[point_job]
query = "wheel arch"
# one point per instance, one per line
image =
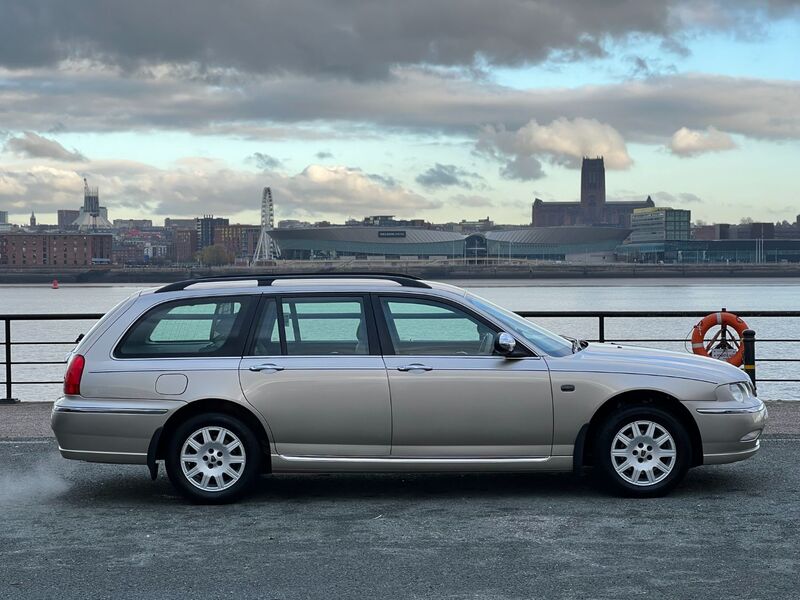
(584, 443)
(207, 405)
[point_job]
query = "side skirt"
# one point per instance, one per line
(325, 464)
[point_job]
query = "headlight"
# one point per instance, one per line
(739, 391)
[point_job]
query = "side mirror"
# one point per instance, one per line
(505, 343)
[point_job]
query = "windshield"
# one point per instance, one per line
(548, 342)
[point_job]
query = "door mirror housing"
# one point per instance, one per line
(505, 343)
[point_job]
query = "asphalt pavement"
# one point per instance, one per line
(79, 530)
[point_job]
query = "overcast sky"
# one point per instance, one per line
(440, 109)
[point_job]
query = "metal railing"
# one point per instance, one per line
(8, 343)
(602, 317)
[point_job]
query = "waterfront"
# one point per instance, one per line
(542, 294)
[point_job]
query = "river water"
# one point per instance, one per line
(555, 295)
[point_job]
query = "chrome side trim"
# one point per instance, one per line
(414, 461)
(731, 411)
(102, 452)
(110, 410)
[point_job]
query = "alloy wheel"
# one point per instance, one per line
(213, 459)
(643, 453)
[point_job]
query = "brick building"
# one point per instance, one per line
(66, 249)
(592, 208)
(239, 240)
(184, 246)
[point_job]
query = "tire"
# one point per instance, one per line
(228, 458)
(646, 465)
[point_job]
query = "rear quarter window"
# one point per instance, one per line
(189, 328)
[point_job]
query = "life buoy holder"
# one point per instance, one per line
(722, 345)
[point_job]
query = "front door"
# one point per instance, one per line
(452, 395)
(315, 373)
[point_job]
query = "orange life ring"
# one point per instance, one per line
(723, 320)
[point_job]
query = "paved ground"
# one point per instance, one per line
(75, 530)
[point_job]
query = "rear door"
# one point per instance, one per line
(452, 395)
(314, 371)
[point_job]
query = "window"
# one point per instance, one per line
(267, 340)
(323, 325)
(422, 327)
(188, 328)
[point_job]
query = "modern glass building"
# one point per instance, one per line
(712, 251)
(545, 243)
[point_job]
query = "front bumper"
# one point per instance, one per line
(730, 431)
(108, 431)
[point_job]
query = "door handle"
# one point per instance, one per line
(415, 367)
(266, 367)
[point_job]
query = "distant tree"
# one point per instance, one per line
(746, 221)
(700, 223)
(215, 256)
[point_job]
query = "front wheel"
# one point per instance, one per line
(213, 458)
(642, 451)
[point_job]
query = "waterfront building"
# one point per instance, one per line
(713, 251)
(67, 218)
(133, 223)
(184, 246)
(414, 243)
(56, 249)
(92, 216)
(128, 252)
(239, 240)
(170, 223)
(205, 230)
(592, 209)
(658, 224)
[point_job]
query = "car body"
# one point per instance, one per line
(323, 373)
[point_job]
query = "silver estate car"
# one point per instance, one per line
(224, 379)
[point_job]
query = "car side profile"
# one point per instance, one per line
(225, 379)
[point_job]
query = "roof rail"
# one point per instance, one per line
(269, 278)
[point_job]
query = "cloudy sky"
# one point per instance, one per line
(442, 109)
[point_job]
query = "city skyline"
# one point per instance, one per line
(438, 110)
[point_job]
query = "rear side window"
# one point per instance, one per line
(189, 328)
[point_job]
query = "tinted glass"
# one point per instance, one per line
(198, 327)
(315, 326)
(422, 327)
(267, 341)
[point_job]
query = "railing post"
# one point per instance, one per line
(749, 342)
(601, 328)
(7, 342)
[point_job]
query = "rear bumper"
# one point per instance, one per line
(108, 431)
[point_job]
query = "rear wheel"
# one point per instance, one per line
(213, 458)
(642, 451)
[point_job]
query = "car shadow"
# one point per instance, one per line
(128, 489)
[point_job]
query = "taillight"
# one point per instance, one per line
(72, 378)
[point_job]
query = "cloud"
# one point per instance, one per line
(417, 100)
(471, 201)
(689, 142)
(440, 176)
(666, 198)
(524, 168)
(265, 161)
(323, 155)
(341, 39)
(563, 142)
(194, 186)
(32, 145)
